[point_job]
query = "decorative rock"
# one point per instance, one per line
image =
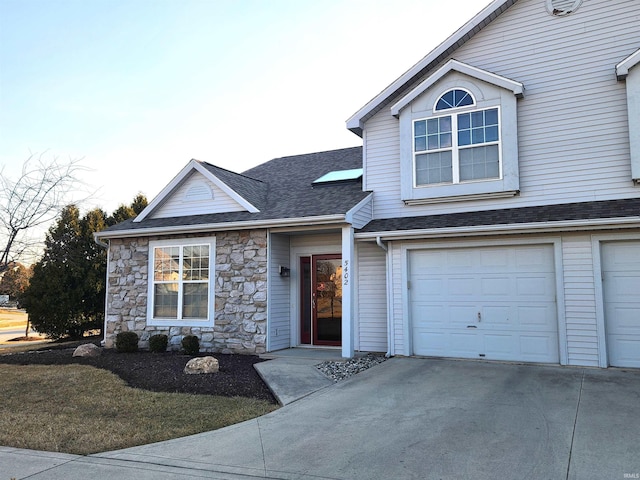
(87, 350)
(344, 369)
(201, 365)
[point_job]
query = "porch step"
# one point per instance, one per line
(319, 354)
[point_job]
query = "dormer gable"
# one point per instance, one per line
(470, 71)
(458, 136)
(201, 188)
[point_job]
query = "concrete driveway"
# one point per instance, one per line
(416, 419)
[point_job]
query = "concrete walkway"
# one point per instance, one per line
(405, 418)
(291, 374)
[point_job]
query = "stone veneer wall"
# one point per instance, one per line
(240, 323)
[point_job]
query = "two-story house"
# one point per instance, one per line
(492, 212)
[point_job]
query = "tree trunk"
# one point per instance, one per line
(26, 332)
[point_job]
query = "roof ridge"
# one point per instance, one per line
(317, 153)
(227, 170)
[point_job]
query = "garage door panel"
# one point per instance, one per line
(463, 315)
(497, 316)
(496, 286)
(439, 344)
(461, 286)
(464, 344)
(534, 259)
(625, 351)
(621, 291)
(624, 286)
(534, 286)
(494, 260)
(621, 257)
(541, 317)
(498, 346)
(513, 289)
(625, 321)
(539, 348)
(430, 316)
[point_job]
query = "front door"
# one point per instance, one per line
(321, 300)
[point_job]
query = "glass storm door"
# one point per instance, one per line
(321, 300)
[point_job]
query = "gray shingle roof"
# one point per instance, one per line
(252, 190)
(280, 188)
(511, 216)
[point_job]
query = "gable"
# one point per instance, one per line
(196, 195)
(193, 192)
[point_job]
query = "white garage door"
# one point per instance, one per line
(621, 287)
(496, 303)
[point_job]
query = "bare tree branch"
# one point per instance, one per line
(34, 199)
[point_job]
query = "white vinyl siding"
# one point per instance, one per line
(363, 214)
(372, 298)
(581, 151)
(579, 297)
(179, 205)
(279, 294)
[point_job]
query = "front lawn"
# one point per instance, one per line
(52, 401)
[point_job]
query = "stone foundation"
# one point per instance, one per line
(240, 323)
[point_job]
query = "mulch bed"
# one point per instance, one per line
(160, 372)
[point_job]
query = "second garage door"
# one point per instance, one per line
(496, 303)
(621, 285)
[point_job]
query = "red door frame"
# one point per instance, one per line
(314, 302)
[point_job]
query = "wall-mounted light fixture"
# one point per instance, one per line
(285, 271)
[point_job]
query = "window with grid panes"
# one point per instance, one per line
(180, 280)
(459, 146)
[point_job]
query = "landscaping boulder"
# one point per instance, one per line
(87, 350)
(201, 365)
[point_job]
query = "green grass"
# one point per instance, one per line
(81, 409)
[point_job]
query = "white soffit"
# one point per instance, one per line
(454, 65)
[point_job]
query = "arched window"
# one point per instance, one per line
(459, 146)
(453, 99)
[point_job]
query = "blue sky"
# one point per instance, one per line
(136, 88)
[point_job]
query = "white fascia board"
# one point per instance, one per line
(506, 229)
(223, 226)
(225, 188)
(622, 69)
(354, 123)
(454, 65)
(166, 191)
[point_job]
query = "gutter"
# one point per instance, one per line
(96, 239)
(384, 247)
(533, 227)
(207, 227)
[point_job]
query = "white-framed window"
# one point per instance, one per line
(459, 137)
(458, 147)
(181, 282)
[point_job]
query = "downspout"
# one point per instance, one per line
(104, 245)
(389, 352)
